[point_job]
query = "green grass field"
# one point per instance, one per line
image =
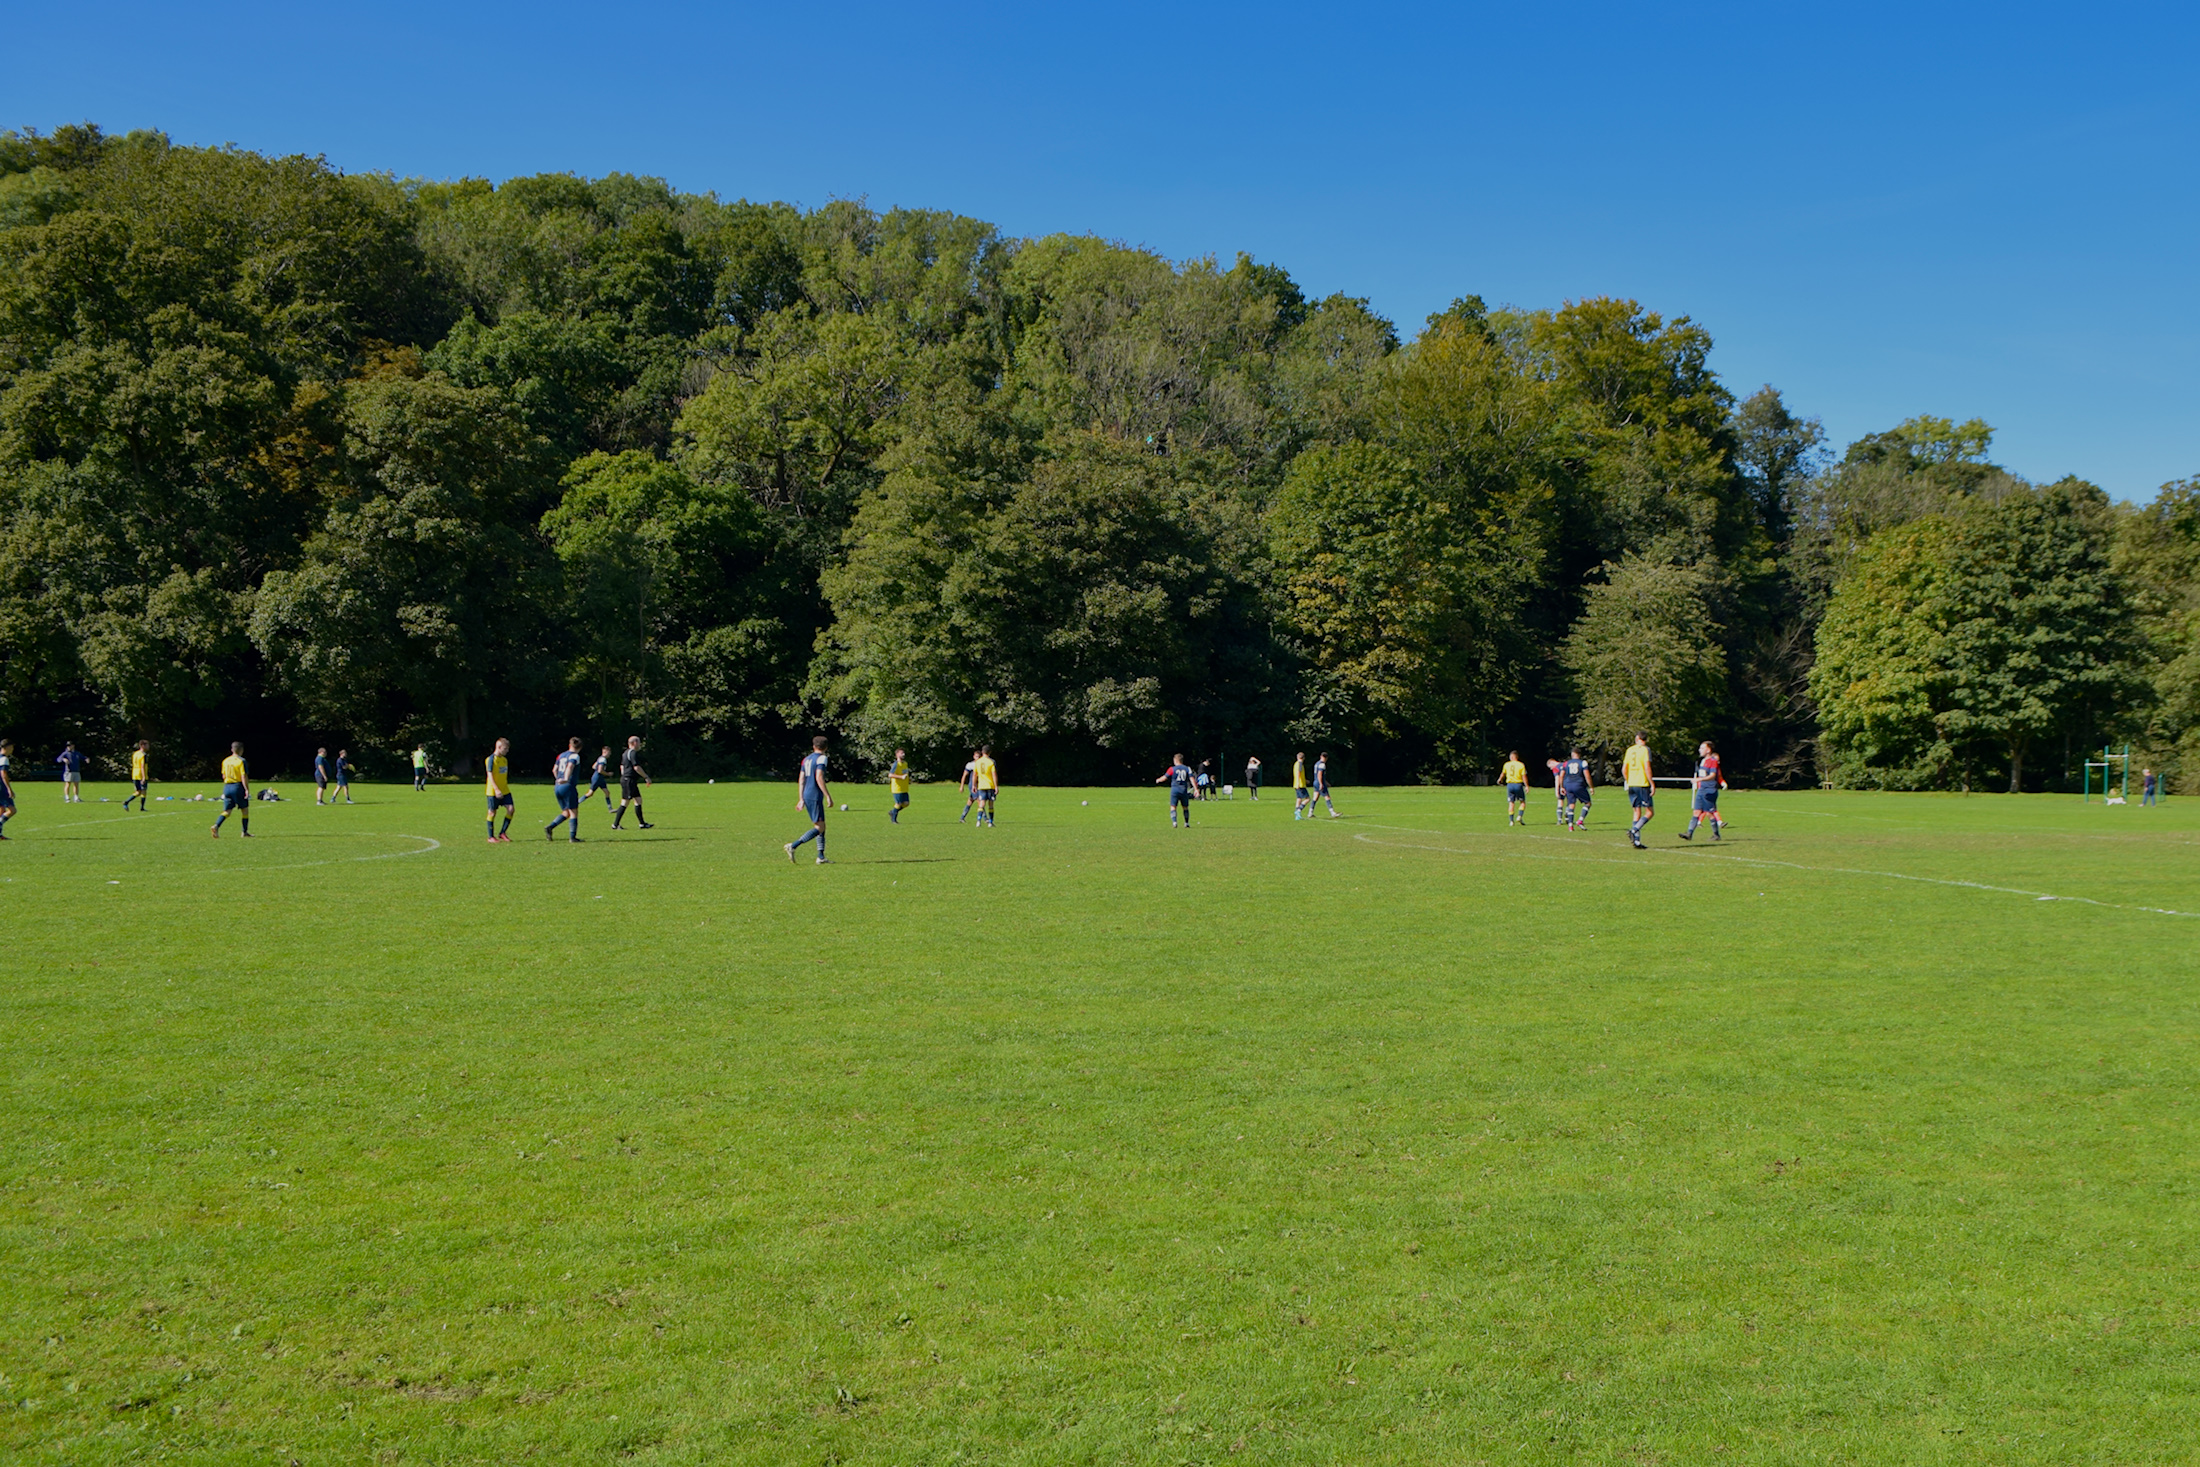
(1397, 1138)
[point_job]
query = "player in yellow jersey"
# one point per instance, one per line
(1514, 777)
(500, 791)
(897, 783)
(1302, 799)
(236, 793)
(1641, 789)
(985, 782)
(141, 775)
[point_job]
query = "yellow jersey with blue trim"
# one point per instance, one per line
(985, 776)
(233, 769)
(897, 778)
(1635, 768)
(137, 765)
(1514, 772)
(500, 774)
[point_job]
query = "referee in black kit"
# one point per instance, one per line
(631, 779)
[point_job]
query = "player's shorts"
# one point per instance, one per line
(71, 776)
(234, 798)
(138, 785)
(1706, 799)
(569, 796)
(988, 793)
(321, 780)
(1638, 796)
(814, 806)
(1184, 798)
(343, 781)
(595, 783)
(901, 799)
(630, 789)
(1577, 794)
(496, 800)
(1516, 792)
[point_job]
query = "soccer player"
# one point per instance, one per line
(985, 782)
(7, 786)
(1558, 788)
(631, 779)
(814, 797)
(599, 777)
(71, 760)
(1302, 803)
(565, 773)
(1576, 789)
(1252, 779)
(968, 785)
(1321, 788)
(140, 775)
(897, 783)
(1182, 783)
(236, 794)
(1514, 777)
(1705, 801)
(1641, 789)
(420, 768)
(500, 791)
(343, 777)
(320, 776)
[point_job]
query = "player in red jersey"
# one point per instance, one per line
(1704, 803)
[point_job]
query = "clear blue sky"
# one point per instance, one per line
(1882, 209)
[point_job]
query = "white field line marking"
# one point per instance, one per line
(432, 844)
(106, 820)
(1702, 856)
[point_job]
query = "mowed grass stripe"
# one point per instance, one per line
(1085, 1140)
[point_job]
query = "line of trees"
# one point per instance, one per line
(315, 457)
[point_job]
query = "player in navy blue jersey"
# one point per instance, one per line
(598, 779)
(343, 777)
(815, 797)
(1575, 789)
(1321, 788)
(71, 760)
(1182, 783)
(565, 775)
(320, 776)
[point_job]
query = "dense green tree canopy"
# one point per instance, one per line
(305, 456)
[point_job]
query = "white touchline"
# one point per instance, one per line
(1705, 856)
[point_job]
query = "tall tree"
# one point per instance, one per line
(416, 610)
(1402, 600)
(1881, 679)
(2039, 634)
(683, 611)
(2157, 559)
(1645, 658)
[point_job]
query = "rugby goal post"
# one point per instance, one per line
(2111, 765)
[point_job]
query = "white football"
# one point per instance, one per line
(843, 807)
(1084, 802)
